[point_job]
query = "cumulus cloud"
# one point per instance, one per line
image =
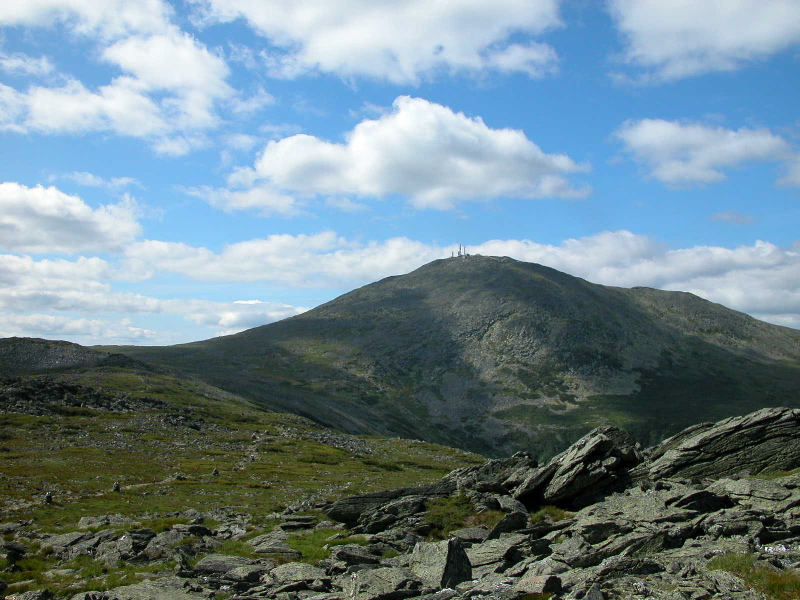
(692, 153)
(44, 219)
(682, 38)
(110, 18)
(168, 102)
(168, 89)
(398, 41)
(419, 150)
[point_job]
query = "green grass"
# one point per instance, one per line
(551, 513)
(316, 545)
(454, 512)
(78, 457)
(777, 585)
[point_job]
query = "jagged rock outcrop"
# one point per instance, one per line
(590, 469)
(765, 441)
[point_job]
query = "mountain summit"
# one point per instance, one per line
(494, 355)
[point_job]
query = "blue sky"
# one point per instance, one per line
(176, 170)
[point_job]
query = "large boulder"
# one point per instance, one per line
(762, 442)
(589, 470)
(441, 564)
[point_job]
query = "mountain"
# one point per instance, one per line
(494, 355)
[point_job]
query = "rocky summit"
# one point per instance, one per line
(494, 355)
(713, 512)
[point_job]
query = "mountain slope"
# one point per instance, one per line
(171, 442)
(494, 355)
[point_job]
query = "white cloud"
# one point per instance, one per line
(682, 38)
(40, 297)
(43, 219)
(81, 330)
(168, 90)
(266, 200)
(536, 60)
(240, 314)
(22, 64)
(110, 18)
(90, 180)
(254, 103)
(421, 151)
(194, 76)
(689, 153)
(792, 173)
(398, 41)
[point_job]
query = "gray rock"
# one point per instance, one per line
(549, 584)
(167, 588)
(220, 563)
(504, 550)
(471, 535)
(385, 583)
(353, 554)
(509, 523)
(589, 470)
(36, 595)
(297, 571)
(350, 510)
(441, 564)
(161, 546)
(761, 442)
(247, 573)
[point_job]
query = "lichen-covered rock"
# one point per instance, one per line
(441, 564)
(761, 442)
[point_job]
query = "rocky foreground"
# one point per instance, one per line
(629, 523)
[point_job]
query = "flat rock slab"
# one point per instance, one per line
(220, 563)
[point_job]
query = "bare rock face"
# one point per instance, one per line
(590, 469)
(762, 442)
(441, 564)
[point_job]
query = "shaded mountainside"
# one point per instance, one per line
(494, 355)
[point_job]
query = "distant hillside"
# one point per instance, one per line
(493, 355)
(32, 355)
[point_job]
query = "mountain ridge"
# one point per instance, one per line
(495, 355)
